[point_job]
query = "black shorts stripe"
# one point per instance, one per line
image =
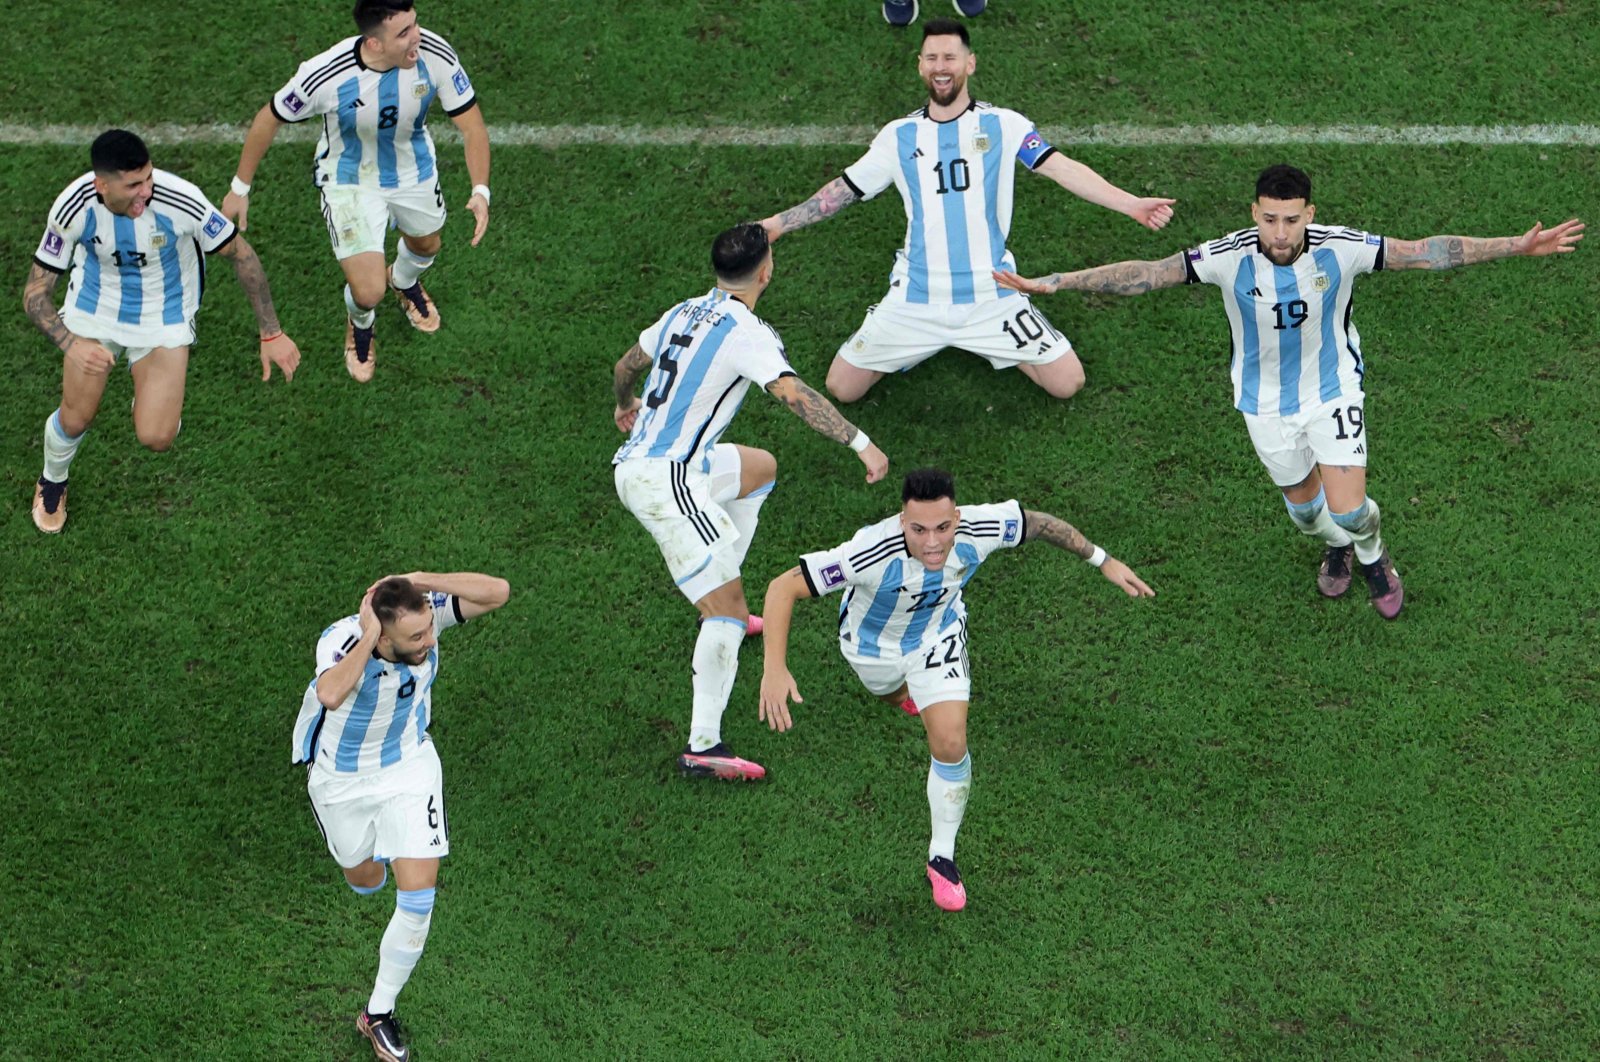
(685, 501)
(320, 828)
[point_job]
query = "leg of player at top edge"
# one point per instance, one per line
(903, 629)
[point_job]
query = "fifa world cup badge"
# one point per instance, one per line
(980, 142)
(1321, 282)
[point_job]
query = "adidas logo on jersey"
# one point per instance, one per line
(1255, 293)
(357, 102)
(917, 154)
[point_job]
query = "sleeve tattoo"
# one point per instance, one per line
(812, 408)
(1447, 252)
(1057, 532)
(253, 279)
(38, 298)
(634, 364)
(1125, 278)
(829, 200)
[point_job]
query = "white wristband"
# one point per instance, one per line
(1097, 558)
(239, 187)
(860, 442)
(481, 189)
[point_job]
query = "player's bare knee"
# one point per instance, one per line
(367, 293)
(1063, 379)
(424, 246)
(843, 384)
(157, 439)
(367, 878)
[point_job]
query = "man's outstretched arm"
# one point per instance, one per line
(1052, 529)
(1448, 252)
(1118, 278)
(1085, 183)
(824, 419)
(829, 200)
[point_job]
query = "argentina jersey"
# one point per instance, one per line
(145, 273)
(1294, 343)
(374, 123)
(705, 354)
(957, 179)
(385, 717)
(893, 606)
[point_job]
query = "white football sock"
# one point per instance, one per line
(401, 947)
(716, 662)
(59, 449)
(362, 317)
(948, 787)
(1363, 526)
(408, 266)
(1313, 518)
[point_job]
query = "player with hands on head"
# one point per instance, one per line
(701, 498)
(953, 161)
(903, 627)
(376, 163)
(375, 781)
(132, 237)
(1298, 370)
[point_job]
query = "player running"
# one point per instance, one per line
(903, 627)
(1297, 364)
(132, 237)
(701, 498)
(953, 162)
(375, 781)
(376, 161)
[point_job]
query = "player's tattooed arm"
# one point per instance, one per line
(1448, 252)
(632, 365)
(38, 298)
(829, 200)
(253, 279)
(1119, 278)
(1057, 532)
(812, 408)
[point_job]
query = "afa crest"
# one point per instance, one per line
(1321, 282)
(980, 142)
(420, 89)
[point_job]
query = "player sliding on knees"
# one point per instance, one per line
(904, 627)
(701, 498)
(376, 163)
(132, 236)
(376, 785)
(1297, 363)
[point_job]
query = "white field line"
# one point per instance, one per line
(1114, 135)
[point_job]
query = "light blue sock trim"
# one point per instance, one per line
(703, 566)
(760, 492)
(1352, 519)
(366, 891)
(415, 901)
(741, 624)
(954, 772)
(1307, 511)
(55, 426)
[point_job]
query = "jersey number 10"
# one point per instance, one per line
(960, 176)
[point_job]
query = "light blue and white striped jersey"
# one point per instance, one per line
(894, 606)
(956, 178)
(144, 273)
(385, 717)
(374, 123)
(1294, 344)
(707, 353)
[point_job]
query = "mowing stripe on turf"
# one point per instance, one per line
(1110, 135)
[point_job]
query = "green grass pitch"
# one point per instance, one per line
(1233, 822)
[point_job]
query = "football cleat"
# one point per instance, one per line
(49, 506)
(719, 762)
(384, 1032)
(971, 8)
(948, 892)
(360, 352)
(899, 12)
(1383, 584)
(1333, 575)
(418, 305)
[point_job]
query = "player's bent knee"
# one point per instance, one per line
(362, 889)
(367, 296)
(157, 440)
(1063, 378)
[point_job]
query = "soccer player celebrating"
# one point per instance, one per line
(132, 236)
(952, 161)
(700, 498)
(1297, 364)
(903, 627)
(376, 162)
(375, 781)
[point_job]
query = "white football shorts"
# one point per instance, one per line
(395, 812)
(1005, 332)
(937, 672)
(358, 216)
(125, 341)
(681, 507)
(1334, 433)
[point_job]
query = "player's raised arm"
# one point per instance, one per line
(1059, 533)
(1119, 278)
(829, 200)
(1447, 252)
(336, 683)
(276, 347)
(1085, 183)
(818, 412)
(475, 142)
(236, 204)
(630, 368)
(477, 593)
(777, 685)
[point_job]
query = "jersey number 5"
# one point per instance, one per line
(669, 369)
